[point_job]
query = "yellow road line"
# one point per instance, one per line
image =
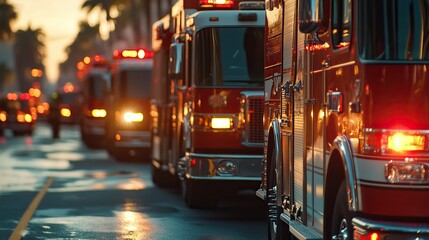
(22, 224)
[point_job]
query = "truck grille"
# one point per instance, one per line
(253, 134)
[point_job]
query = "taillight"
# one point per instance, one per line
(366, 236)
(394, 141)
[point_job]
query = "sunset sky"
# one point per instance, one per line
(59, 21)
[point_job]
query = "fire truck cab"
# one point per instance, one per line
(346, 152)
(128, 123)
(95, 87)
(215, 72)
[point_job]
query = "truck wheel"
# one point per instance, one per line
(163, 179)
(196, 197)
(277, 229)
(341, 227)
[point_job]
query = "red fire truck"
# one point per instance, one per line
(346, 152)
(95, 86)
(212, 132)
(128, 118)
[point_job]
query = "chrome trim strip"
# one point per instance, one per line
(385, 226)
(219, 178)
(229, 156)
(143, 134)
(335, 66)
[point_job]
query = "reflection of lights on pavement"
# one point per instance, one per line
(133, 225)
(132, 184)
(29, 140)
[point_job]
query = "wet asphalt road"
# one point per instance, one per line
(63, 190)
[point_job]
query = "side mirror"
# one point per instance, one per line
(175, 62)
(311, 15)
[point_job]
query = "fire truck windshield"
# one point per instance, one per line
(394, 30)
(229, 57)
(135, 84)
(97, 87)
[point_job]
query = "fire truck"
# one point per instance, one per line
(346, 152)
(128, 112)
(95, 86)
(212, 124)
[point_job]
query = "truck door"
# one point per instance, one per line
(330, 71)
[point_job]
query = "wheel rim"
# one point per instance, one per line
(342, 235)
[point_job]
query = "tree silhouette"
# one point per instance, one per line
(7, 15)
(29, 53)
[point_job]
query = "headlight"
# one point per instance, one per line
(24, 117)
(407, 172)
(133, 117)
(3, 116)
(65, 112)
(221, 123)
(98, 113)
(212, 122)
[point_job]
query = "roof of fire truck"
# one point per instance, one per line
(250, 14)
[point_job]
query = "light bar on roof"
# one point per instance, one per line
(131, 53)
(216, 3)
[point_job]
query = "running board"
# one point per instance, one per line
(300, 231)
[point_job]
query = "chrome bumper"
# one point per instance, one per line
(221, 167)
(391, 230)
(94, 127)
(133, 139)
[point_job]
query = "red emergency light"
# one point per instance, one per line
(25, 96)
(132, 54)
(217, 4)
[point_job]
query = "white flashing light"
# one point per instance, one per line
(133, 117)
(221, 123)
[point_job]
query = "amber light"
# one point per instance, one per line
(3, 116)
(98, 113)
(24, 117)
(366, 236)
(403, 142)
(65, 112)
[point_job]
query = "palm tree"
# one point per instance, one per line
(7, 15)
(86, 43)
(105, 6)
(29, 53)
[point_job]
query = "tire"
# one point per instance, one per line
(277, 229)
(341, 218)
(163, 179)
(197, 197)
